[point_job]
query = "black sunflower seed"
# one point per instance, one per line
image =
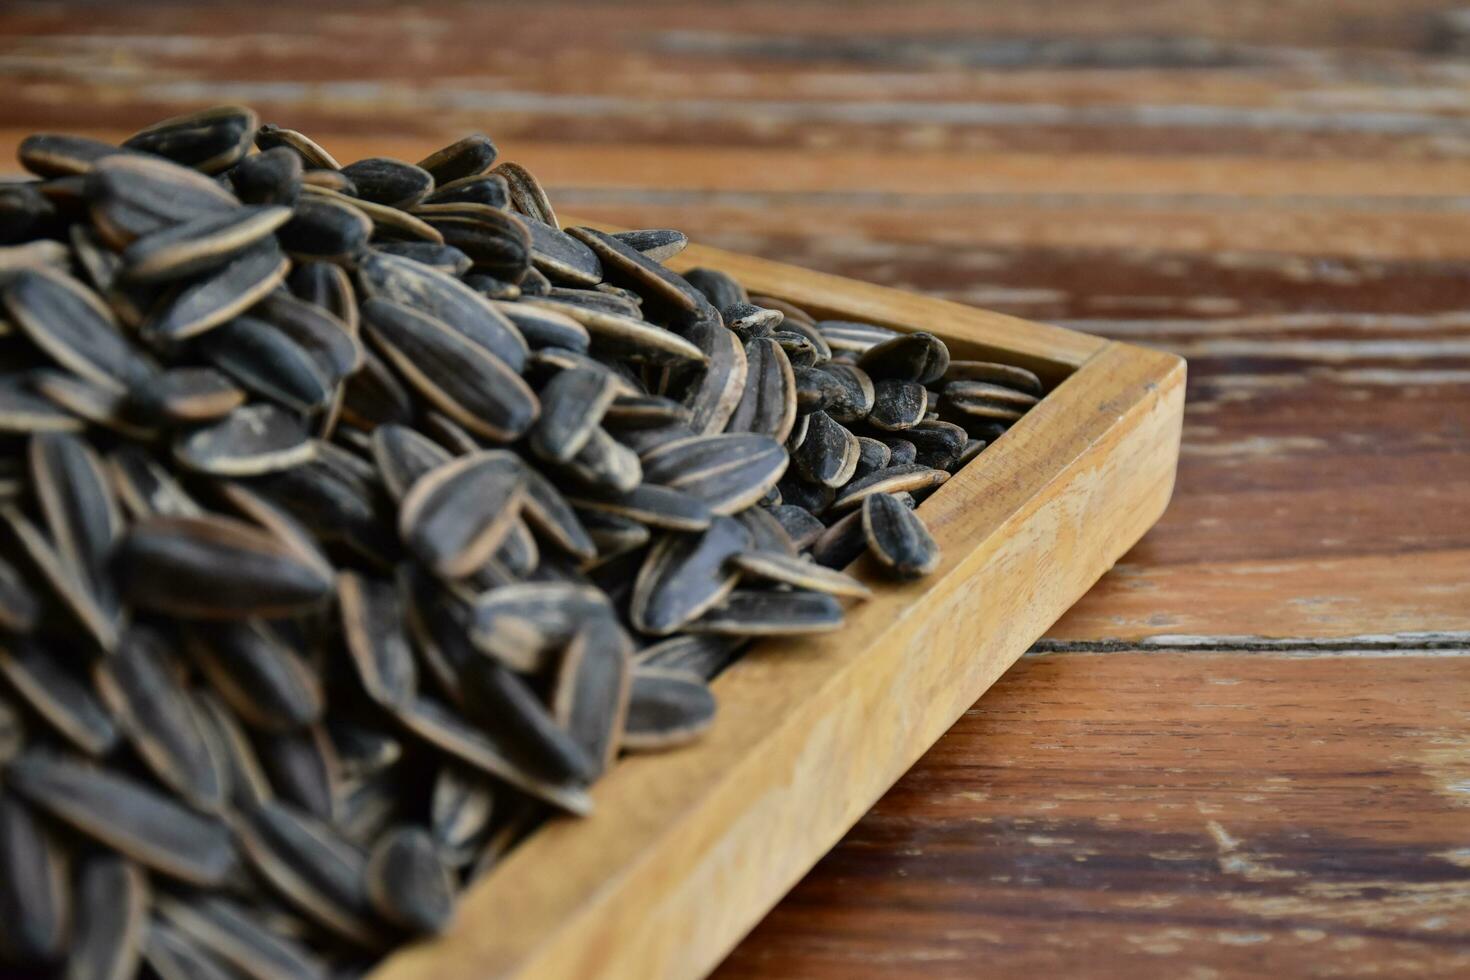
(35, 896)
(463, 158)
(60, 155)
(752, 613)
(920, 357)
(236, 935)
(898, 404)
(272, 177)
(728, 471)
(562, 257)
(249, 441)
(658, 244)
(445, 298)
(593, 685)
(312, 867)
(390, 182)
(463, 379)
(215, 568)
(829, 453)
(67, 321)
(897, 537)
(153, 708)
(456, 515)
(126, 815)
(685, 574)
(210, 141)
(720, 386)
(204, 243)
(132, 195)
(222, 294)
(572, 406)
(59, 697)
(408, 884)
(373, 628)
(325, 229)
(109, 919)
(270, 135)
(526, 195)
(1009, 375)
(776, 566)
(666, 709)
(258, 674)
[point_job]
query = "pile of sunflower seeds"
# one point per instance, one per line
(353, 519)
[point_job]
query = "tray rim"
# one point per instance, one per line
(515, 922)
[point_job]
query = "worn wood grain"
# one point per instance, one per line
(1276, 188)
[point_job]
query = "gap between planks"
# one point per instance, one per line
(1449, 643)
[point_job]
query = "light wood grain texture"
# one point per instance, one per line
(687, 850)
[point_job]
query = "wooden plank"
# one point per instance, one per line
(1291, 813)
(810, 733)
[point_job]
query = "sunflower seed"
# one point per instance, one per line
(303, 771)
(898, 404)
(67, 321)
(591, 696)
(467, 157)
(204, 243)
(484, 188)
(684, 575)
(59, 697)
(1009, 375)
(891, 479)
(845, 335)
(258, 674)
(209, 141)
(920, 357)
(78, 503)
(407, 883)
(778, 567)
(658, 244)
(666, 709)
(751, 613)
(111, 917)
(897, 537)
(712, 399)
(572, 406)
(222, 294)
(60, 155)
(249, 785)
(412, 284)
(466, 381)
(312, 867)
(443, 729)
(728, 471)
(272, 177)
(126, 815)
(628, 267)
(372, 625)
(215, 568)
(155, 712)
(455, 516)
(312, 155)
(249, 441)
(236, 936)
(174, 956)
(526, 195)
(720, 288)
(325, 229)
(98, 616)
(35, 900)
(829, 453)
(132, 195)
(389, 182)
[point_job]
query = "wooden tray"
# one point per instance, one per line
(687, 850)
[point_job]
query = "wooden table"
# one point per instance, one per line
(1247, 751)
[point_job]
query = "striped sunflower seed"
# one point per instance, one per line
(126, 815)
(897, 537)
(408, 884)
(666, 709)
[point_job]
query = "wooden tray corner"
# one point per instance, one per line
(687, 850)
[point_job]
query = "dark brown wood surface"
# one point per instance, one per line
(1247, 751)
